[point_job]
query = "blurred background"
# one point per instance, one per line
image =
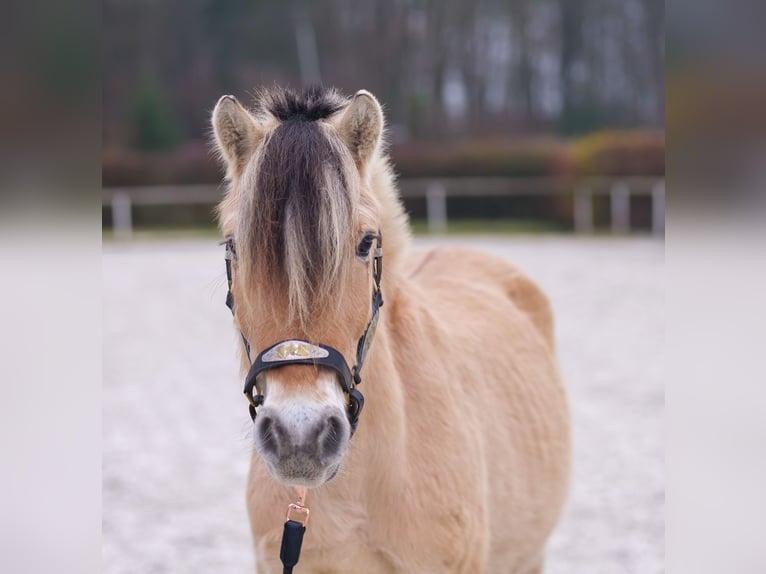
(530, 129)
(173, 476)
(545, 114)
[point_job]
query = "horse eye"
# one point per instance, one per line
(363, 249)
(231, 249)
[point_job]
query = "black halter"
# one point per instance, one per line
(301, 352)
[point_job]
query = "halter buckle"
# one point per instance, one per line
(295, 507)
(299, 506)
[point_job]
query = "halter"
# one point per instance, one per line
(302, 352)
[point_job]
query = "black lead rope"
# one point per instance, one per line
(301, 352)
(292, 539)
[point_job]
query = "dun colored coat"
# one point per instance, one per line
(461, 459)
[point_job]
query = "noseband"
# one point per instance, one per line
(301, 352)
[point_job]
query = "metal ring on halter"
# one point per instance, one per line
(295, 507)
(255, 401)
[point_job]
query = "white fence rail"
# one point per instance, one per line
(436, 191)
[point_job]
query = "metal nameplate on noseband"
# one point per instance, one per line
(292, 350)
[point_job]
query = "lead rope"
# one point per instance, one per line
(292, 534)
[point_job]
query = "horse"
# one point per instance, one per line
(460, 460)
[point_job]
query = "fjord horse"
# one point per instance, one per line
(461, 459)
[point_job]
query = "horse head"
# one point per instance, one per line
(304, 234)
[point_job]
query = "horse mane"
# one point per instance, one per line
(311, 104)
(297, 228)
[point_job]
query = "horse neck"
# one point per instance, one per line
(379, 448)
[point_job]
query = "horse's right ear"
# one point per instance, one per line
(237, 132)
(361, 127)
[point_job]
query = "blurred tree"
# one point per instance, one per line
(524, 67)
(655, 41)
(442, 68)
(153, 118)
(571, 66)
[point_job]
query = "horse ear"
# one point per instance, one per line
(361, 126)
(237, 132)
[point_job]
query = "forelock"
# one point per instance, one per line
(296, 230)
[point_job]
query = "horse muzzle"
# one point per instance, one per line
(302, 443)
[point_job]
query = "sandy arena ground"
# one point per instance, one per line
(176, 430)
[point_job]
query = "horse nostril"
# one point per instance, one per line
(331, 438)
(267, 436)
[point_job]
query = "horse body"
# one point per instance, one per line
(460, 462)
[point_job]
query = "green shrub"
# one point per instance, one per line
(154, 123)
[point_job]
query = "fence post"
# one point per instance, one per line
(436, 207)
(658, 208)
(122, 217)
(620, 207)
(583, 210)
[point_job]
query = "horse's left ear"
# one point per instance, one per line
(361, 127)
